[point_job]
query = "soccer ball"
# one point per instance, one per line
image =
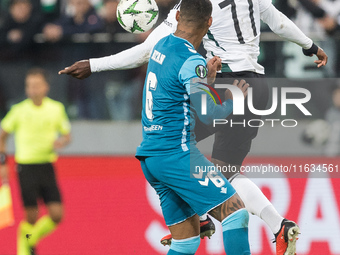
(137, 16)
(316, 133)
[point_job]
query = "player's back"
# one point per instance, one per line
(234, 34)
(166, 105)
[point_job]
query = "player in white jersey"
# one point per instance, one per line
(234, 37)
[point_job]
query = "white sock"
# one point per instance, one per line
(272, 218)
(203, 217)
(256, 202)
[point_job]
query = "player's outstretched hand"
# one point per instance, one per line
(79, 70)
(213, 65)
(322, 58)
(242, 85)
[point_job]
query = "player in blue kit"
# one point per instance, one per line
(169, 100)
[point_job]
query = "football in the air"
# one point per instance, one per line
(137, 16)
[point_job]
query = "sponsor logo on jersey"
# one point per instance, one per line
(169, 24)
(153, 128)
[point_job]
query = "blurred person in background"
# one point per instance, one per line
(41, 127)
(80, 19)
(20, 21)
(123, 88)
(17, 47)
(332, 147)
(49, 9)
(318, 20)
(18, 29)
(109, 15)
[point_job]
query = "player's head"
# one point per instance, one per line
(81, 7)
(36, 84)
(110, 10)
(196, 14)
(20, 10)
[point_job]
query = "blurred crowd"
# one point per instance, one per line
(320, 20)
(56, 33)
(49, 32)
(56, 20)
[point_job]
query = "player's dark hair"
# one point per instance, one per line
(196, 11)
(38, 71)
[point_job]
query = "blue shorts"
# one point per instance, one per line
(186, 184)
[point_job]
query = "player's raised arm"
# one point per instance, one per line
(284, 27)
(213, 65)
(127, 59)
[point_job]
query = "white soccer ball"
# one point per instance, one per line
(316, 133)
(137, 16)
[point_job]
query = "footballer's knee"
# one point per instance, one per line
(56, 212)
(32, 214)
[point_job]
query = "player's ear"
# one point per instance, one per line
(177, 16)
(210, 21)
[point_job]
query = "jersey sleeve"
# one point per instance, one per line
(193, 69)
(264, 5)
(137, 55)
(64, 126)
(9, 122)
(193, 76)
(284, 27)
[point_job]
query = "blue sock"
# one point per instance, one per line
(186, 246)
(235, 233)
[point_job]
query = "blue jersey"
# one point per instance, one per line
(166, 104)
(167, 115)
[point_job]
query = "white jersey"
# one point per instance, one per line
(234, 36)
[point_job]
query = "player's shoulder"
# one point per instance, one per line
(19, 109)
(174, 50)
(22, 104)
(53, 103)
(183, 48)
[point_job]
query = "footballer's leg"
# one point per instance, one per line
(286, 232)
(231, 146)
(182, 221)
(185, 239)
(234, 218)
(49, 191)
(29, 193)
(25, 230)
(206, 190)
(207, 229)
(46, 224)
